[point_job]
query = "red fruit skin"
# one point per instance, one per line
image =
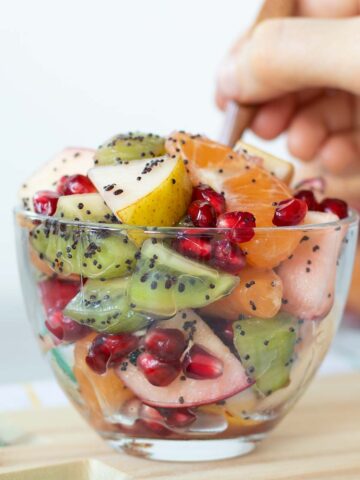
(208, 194)
(194, 247)
(77, 184)
(227, 256)
(61, 184)
(45, 202)
(309, 198)
(157, 372)
(200, 364)
(290, 212)
(167, 344)
(109, 350)
(336, 206)
(202, 214)
(56, 294)
(241, 223)
(64, 328)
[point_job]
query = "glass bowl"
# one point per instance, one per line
(170, 357)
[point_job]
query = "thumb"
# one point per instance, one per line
(291, 54)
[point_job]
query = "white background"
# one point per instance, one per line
(75, 72)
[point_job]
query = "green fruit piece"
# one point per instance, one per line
(165, 282)
(266, 348)
(130, 146)
(87, 207)
(92, 253)
(104, 306)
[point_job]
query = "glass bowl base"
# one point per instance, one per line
(186, 450)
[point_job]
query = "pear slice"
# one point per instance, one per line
(149, 192)
(281, 168)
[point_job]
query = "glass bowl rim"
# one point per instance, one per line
(351, 220)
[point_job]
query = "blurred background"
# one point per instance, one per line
(73, 73)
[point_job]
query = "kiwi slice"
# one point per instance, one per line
(165, 282)
(104, 306)
(266, 349)
(92, 253)
(87, 207)
(130, 146)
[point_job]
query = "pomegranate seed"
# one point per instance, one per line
(309, 198)
(228, 256)
(56, 294)
(108, 350)
(45, 202)
(336, 206)
(241, 223)
(208, 194)
(178, 417)
(224, 329)
(202, 214)
(64, 328)
(153, 420)
(76, 184)
(167, 344)
(158, 373)
(201, 364)
(194, 247)
(61, 184)
(290, 212)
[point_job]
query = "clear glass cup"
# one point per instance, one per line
(229, 374)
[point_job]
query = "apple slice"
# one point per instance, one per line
(309, 275)
(190, 392)
(153, 192)
(70, 161)
(282, 169)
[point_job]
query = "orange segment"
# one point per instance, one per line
(103, 394)
(247, 187)
(259, 293)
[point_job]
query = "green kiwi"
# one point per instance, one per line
(130, 146)
(165, 282)
(86, 207)
(104, 306)
(266, 349)
(92, 253)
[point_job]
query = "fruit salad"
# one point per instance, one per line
(184, 290)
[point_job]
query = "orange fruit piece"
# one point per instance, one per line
(246, 186)
(259, 294)
(103, 394)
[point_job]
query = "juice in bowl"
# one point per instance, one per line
(183, 292)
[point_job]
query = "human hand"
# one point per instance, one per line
(305, 74)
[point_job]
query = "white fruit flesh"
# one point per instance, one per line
(190, 392)
(309, 275)
(282, 169)
(125, 178)
(70, 161)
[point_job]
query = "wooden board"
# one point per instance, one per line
(320, 439)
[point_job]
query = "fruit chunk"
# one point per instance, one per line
(336, 206)
(87, 207)
(167, 344)
(104, 306)
(129, 146)
(266, 348)
(103, 394)
(190, 392)
(282, 169)
(157, 372)
(68, 162)
(228, 256)
(64, 328)
(308, 276)
(202, 214)
(165, 282)
(259, 293)
(242, 225)
(56, 294)
(246, 186)
(68, 249)
(290, 212)
(75, 185)
(207, 194)
(45, 202)
(200, 364)
(153, 192)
